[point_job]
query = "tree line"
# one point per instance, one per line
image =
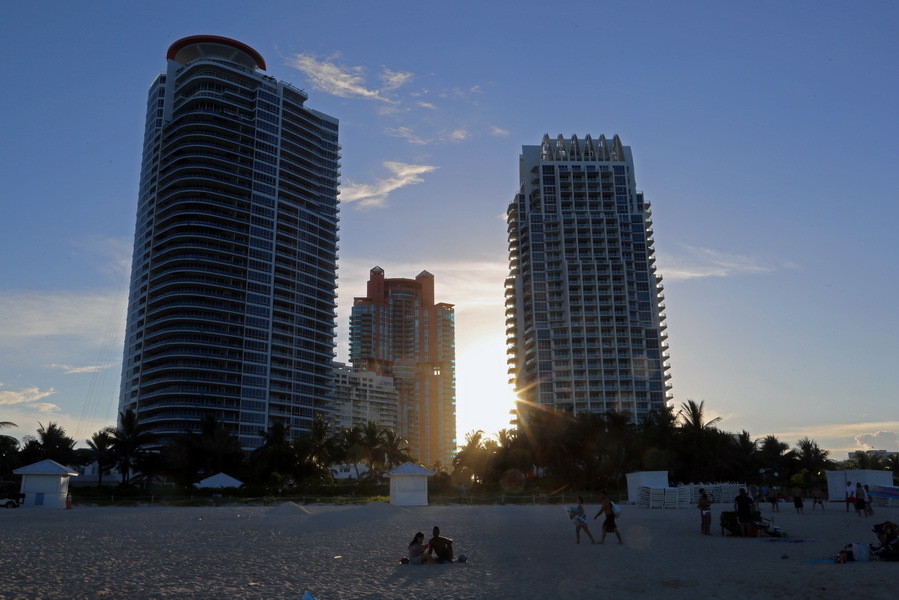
(589, 451)
(129, 449)
(550, 450)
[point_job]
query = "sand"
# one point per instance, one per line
(352, 552)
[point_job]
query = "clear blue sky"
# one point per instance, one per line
(764, 135)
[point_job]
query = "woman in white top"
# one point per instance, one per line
(418, 550)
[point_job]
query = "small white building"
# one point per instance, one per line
(409, 485)
(45, 483)
(219, 480)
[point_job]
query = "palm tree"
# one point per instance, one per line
(371, 440)
(658, 433)
(396, 449)
(314, 451)
(217, 449)
(470, 461)
(275, 455)
(745, 457)
(101, 445)
(4, 425)
(776, 455)
(811, 457)
(55, 444)
(698, 438)
(129, 439)
(347, 445)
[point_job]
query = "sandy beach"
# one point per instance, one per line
(352, 552)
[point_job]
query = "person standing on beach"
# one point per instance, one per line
(773, 491)
(705, 512)
(850, 495)
(869, 510)
(744, 506)
(580, 521)
(754, 492)
(860, 500)
(608, 526)
(797, 498)
(817, 498)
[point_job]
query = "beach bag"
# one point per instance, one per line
(616, 510)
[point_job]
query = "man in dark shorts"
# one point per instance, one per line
(441, 547)
(608, 526)
(744, 506)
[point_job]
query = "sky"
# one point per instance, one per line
(764, 135)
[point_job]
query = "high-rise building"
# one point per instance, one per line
(362, 396)
(232, 303)
(398, 331)
(585, 325)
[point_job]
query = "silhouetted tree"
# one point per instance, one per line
(102, 452)
(130, 438)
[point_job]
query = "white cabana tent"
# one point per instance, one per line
(219, 480)
(409, 485)
(836, 481)
(45, 483)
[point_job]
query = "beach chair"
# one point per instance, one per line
(730, 525)
(764, 526)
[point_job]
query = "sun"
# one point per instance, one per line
(484, 397)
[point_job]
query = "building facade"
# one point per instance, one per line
(398, 331)
(363, 396)
(585, 322)
(231, 310)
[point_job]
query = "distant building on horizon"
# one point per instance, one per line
(397, 330)
(231, 308)
(585, 325)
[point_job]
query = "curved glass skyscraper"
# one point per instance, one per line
(585, 322)
(232, 303)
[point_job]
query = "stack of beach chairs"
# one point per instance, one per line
(686, 496)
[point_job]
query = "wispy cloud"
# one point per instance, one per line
(395, 79)
(408, 134)
(112, 256)
(93, 317)
(30, 396)
(347, 82)
(69, 370)
(457, 135)
(427, 105)
(696, 263)
(498, 131)
(372, 195)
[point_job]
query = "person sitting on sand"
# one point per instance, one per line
(608, 526)
(440, 549)
(418, 550)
